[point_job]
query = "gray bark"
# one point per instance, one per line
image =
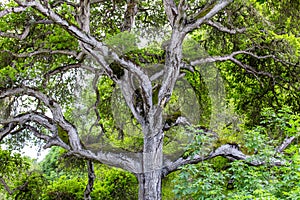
(149, 185)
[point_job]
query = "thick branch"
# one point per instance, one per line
(124, 160)
(133, 69)
(54, 108)
(172, 66)
(84, 15)
(7, 129)
(285, 144)
(205, 14)
(31, 116)
(229, 151)
(171, 10)
(180, 19)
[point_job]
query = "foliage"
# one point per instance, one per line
(109, 184)
(18, 173)
(65, 188)
(67, 179)
(252, 93)
(222, 179)
(114, 184)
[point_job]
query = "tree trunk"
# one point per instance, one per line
(152, 159)
(150, 185)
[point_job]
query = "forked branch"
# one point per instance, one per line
(230, 152)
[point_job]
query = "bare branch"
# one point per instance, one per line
(12, 10)
(222, 28)
(205, 14)
(228, 151)
(96, 104)
(54, 108)
(231, 57)
(93, 47)
(187, 67)
(50, 141)
(171, 11)
(62, 69)
(123, 159)
(44, 21)
(23, 120)
(74, 30)
(180, 121)
(285, 144)
(34, 117)
(7, 129)
(37, 133)
(251, 70)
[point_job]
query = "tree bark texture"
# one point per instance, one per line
(150, 185)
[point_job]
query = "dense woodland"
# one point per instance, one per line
(161, 99)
